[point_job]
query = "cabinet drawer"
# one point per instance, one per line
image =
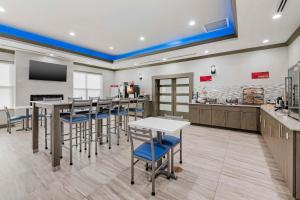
(247, 109)
(233, 108)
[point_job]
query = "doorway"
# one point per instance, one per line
(172, 94)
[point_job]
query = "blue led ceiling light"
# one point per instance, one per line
(18, 34)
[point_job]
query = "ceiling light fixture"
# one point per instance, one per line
(2, 9)
(135, 64)
(111, 48)
(206, 51)
(277, 16)
(164, 59)
(72, 34)
(142, 38)
(265, 41)
(192, 23)
(51, 54)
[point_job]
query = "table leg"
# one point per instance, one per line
(56, 138)
(159, 139)
(27, 119)
(35, 129)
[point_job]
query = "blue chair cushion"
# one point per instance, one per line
(120, 112)
(82, 112)
(169, 140)
(17, 118)
(144, 151)
(75, 119)
(136, 110)
(100, 115)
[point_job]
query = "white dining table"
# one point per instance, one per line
(160, 125)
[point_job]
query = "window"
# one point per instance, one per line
(6, 85)
(87, 85)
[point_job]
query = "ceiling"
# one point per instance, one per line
(157, 21)
(111, 30)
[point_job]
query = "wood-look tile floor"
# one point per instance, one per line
(217, 164)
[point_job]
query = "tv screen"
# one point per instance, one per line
(47, 71)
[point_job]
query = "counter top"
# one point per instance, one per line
(235, 105)
(282, 117)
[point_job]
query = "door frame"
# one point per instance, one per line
(155, 87)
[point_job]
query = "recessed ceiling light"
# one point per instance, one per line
(277, 16)
(51, 54)
(206, 51)
(164, 59)
(111, 48)
(265, 41)
(72, 34)
(2, 9)
(192, 23)
(135, 64)
(142, 38)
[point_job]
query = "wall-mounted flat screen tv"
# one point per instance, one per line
(47, 71)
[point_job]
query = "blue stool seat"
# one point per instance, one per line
(75, 119)
(100, 115)
(82, 112)
(136, 110)
(17, 118)
(144, 151)
(169, 140)
(119, 112)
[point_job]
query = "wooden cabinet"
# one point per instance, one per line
(236, 117)
(279, 140)
(205, 115)
(233, 117)
(250, 119)
(218, 116)
(194, 114)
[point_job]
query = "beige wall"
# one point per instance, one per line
(232, 70)
(294, 52)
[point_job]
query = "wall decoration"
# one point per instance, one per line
(260, 75)
(205, 78)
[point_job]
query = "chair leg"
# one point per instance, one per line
(71, 159)
(153, 178)
(51, 137)
(80, 137)
(46, 130)
(126, 127)
(115, 124)
(90, 138)
(76, 134)
(96, 137)
(168, 167)
(118, 131)
(180, 147)
(107, 130)
(172, 161)
(109, 133)
(84, 133)
(132, 169)
(101, 131)
(23, 122)
(9, 127)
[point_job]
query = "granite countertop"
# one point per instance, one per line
(235, 105)
(282, 117)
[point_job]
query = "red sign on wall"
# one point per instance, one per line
(260, 75)
(205, 78)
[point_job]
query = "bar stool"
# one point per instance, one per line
(103, 111)
(139, 107)
(121, 112)
(75, 118)
(13, 119)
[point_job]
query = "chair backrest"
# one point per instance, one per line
(142, 135)
(124, 104)
(79, 105)
(70, 99)
(7, 113)
(52, 99)
(180, 118)
(104, 104)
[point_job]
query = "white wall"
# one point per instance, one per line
(26, 87)
(232, 70)
(294, 52)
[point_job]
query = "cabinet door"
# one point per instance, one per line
(287, 157)
(249, 121)
(194, 114)
(218, 117)
(205, 116)
(233, 119)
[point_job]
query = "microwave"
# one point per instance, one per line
(292, 83)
